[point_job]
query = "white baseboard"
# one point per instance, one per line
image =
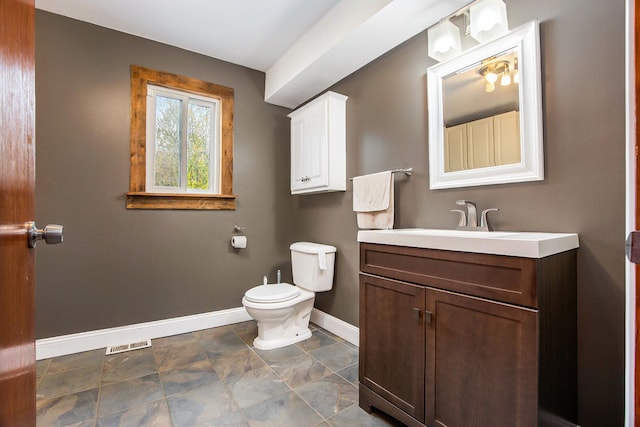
(336, 326)
(84, 341)
(91, 340)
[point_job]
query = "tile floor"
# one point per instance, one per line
(208, 378)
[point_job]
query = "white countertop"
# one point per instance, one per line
(510, 243)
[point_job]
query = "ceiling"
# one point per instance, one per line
(303, 46)
(252, 33)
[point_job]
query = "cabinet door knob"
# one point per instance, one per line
(416, 312)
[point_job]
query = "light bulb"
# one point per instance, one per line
(443, 45)
(505, 80)
(491, 77)
(487, 19)
(490, 87)
(516, 77)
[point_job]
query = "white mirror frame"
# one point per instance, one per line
(526, 41)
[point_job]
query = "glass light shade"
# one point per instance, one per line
(505, 80)
(444, 41)
(491, 77)
(488, 20)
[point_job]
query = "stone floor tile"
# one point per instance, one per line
(154, 414)
(201, 405)
(278, 355)
(117, 397)
(318, 339)
(67, 410)
(91, 358)
(188, 377)
(300, 370)
(329, 395)
(350, 374)
(285, 410)
(223, 344)
(68, 382)
(256, 386)
(130, 364)
(336, 356)
(172, 357)
(238, 363)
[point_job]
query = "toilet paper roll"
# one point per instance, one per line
(239, 242)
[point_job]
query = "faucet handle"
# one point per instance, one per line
(462, 222)
(484, 222)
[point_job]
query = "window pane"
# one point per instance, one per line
(167, 144)
(199, 146)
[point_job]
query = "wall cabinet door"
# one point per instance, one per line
(506, 135)
(392, 351)
(455, 148)
(309, 149)
(318, 145)
(480, 143)
(481, 362)
(492, 141)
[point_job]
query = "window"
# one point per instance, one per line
(181, 143)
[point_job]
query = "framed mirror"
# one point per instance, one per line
(485, 113)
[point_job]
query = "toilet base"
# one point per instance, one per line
(261, 344)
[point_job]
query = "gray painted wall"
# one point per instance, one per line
(582, 48)
(118, 266)
(115, 268)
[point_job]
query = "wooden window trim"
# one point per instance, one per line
(137, 197)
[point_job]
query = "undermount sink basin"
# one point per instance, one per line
(510, 243)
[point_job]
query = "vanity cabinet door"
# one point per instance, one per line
(392, 349)
(481, 362)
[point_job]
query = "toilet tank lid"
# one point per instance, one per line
(312, 248)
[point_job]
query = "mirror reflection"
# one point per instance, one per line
(481, 114)
(485, 113)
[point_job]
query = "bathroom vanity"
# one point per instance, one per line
(463, 329)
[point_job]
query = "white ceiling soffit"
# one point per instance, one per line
(352, 34)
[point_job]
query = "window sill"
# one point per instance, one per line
(137, 200)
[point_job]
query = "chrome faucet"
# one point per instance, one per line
(469, 219)
(472, 215)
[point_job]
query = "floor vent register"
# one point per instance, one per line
(128, 347)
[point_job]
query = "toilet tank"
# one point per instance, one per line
(312, 265)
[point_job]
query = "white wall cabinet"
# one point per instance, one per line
(492, 141)
(318, 145)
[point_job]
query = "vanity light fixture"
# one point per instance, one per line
(484, 20)
(444, 40)
(488, 19)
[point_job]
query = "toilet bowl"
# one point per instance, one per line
(283, 310)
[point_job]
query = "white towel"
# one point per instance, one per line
(373, 200)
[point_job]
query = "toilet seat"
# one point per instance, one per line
(279, 292)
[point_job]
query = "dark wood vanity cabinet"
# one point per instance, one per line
(459, 339)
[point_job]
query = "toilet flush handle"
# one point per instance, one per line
(322, 260)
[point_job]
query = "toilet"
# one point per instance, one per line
(283, 310)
